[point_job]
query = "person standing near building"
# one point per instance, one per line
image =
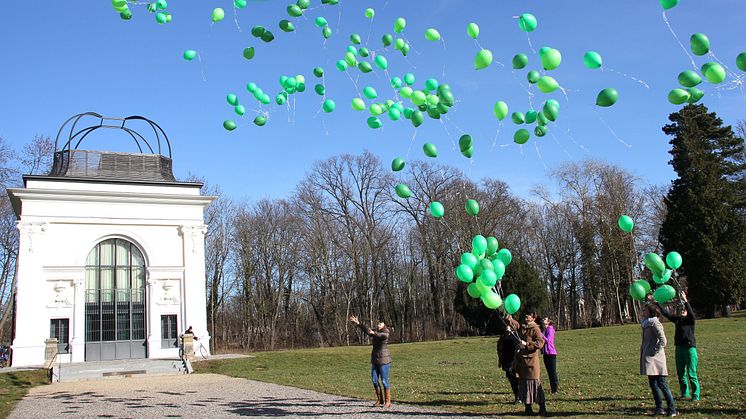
(380, 360)
(653, 360)
(686, 349)
(506, 349)
(550, 353)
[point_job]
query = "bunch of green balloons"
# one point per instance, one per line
(661, 275)
(262, 33)
(541, 118)
(712, 71)
(158, 7)
(483, 267)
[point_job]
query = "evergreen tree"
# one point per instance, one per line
(705, 211)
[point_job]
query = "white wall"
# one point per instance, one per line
(61, 222)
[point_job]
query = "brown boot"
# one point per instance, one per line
(379, 397)
(388, 398)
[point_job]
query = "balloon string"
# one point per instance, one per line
(665, 19)
(235, 19)
(528, 37)
(627, 76)
(499, 125)
(611, 130)
(201, 67)
(450, 137)
(581, 146)
(560, 145)
(411, 142)
(526, 88)
(737, 80)
(370, 30)
(536, 146)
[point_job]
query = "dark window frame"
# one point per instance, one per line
(169, 331)
(57, 331)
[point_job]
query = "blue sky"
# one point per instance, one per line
(64, 58)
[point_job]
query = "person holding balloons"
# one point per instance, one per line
(550, 353)
(380, 359)
(653, 359)
(686, 349)
(506, 353)
(527, 364)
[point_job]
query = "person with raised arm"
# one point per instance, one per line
(380, 360)
(686, 349)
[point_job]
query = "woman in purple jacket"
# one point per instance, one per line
(550, 353)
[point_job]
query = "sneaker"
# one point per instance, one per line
(518, 401)
(673, 414)
(658, 412)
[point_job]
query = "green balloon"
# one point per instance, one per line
(550, 110)
(431, 84)
(520, 61)
(303, 4)
(229, 125)
(501, 110)
(126, 15)
(436, 209)
(161, 17)
(694, 95)
(547, 84)
(190, 54)
(473, 290)
(464, 273)
(248, 53)
(472, 208)
(700, 44)
(533, 76)
(592, 59)
(326, 32)
(553, 102)
(432, 34)
(418, 97)
(512, 304)
(369, 13)
(258, 31)
(341, 65)
(387, 40)
(478, 244)
(374, 122)
(239, 4)
(678, 96)
(481, 287)
(294, 10)
(713, 72)
(491, 300)
(483, 59)
(689, 78)
(232, 99)
(527, 22)
(355, 39)
(397, 164)
(530, 117)
(540, 130)
(667, 4)
(607, 97)
(350, 59)
(663, 278)
(487, 278)
(267, 36)
(465, 142)
(240, 110)
(286, 25)
(417, 118)
(637, 292)
(364, 67)
(469, 260)
(319, 89)
(741, 61)
(409, 79)
(504, 256)
(363, 52)
(551, 59)
(260, 120)
(394, 114)
(376, 109)
(541, 119)
(645, 284)
(328, 106)
(472, 30)
(521, 136)
(381, 62)
(402, 191)
(673, 260)
(369, 92)
(518, 118)
(469, 152)
(320, 22)
(280, 99)
(664, 294)
(499, 268)
(655, 263)
(358, 104)
(399, 25)
(430, 150)
(218, 14)
(318, 72)
(626, 223)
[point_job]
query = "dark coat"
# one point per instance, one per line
(380, 354)
(528, 362)
(684, 335)
(506, 349)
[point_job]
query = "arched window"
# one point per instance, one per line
(115, 299)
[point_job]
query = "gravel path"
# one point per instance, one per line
(196, 396)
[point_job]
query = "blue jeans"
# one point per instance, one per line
(659, 384)
(381, 371)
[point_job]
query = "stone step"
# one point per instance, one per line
(80, 371)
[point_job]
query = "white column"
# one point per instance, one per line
(32, 321)
(77, 327)
(194, 302)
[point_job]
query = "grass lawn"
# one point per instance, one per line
(598, 371)
(15, 385)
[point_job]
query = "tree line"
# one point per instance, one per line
(284, 273)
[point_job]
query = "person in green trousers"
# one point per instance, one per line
(686, 349)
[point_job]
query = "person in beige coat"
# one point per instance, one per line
(653, 359)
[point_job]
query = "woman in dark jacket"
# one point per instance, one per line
(527, 363)
(506, 349)
(686, 348)
(380, 360)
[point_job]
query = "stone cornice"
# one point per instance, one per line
(109, 197)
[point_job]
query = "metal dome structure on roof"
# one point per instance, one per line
(150, 164)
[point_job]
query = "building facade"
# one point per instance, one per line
(111, 259)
